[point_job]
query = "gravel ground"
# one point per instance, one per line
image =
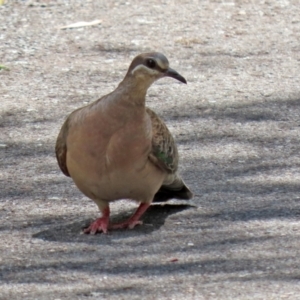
(237, 126)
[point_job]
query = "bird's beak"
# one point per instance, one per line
(174, 74)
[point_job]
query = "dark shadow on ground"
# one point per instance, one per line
(153, 219)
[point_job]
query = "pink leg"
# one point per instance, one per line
(101, 224)
(134, 219)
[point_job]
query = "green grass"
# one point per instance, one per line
(2, 67)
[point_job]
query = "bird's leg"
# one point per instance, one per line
(134, 219)
(101, 224)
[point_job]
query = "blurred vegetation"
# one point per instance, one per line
(2, 67)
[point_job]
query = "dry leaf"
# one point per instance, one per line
(82, 24)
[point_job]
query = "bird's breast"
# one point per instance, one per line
(108, 160)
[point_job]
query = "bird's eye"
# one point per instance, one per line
(151, 63)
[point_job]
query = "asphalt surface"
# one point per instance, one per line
(237, 128)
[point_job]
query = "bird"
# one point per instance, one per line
(117, 148)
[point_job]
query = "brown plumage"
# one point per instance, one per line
(117, 148)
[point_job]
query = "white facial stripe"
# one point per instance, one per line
(145, 69)
(160, 64)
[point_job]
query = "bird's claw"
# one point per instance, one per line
(98, 226)
(127, 224)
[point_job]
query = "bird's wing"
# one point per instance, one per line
(164, 152)
(61, 147)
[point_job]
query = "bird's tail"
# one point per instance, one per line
(176, 190)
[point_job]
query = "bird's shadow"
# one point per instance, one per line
(153, 219)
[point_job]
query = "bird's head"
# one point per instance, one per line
(149, 67)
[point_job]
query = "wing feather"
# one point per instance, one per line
(61, 148)
(164, 150)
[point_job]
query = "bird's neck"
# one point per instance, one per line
(126, 100)
(133, 91)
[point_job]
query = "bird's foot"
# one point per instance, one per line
(98, 226)
(134, 219)
(127, 224)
